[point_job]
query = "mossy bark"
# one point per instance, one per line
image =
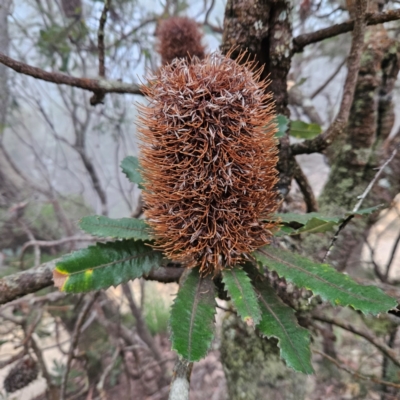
(253, 368)
(252, 365)
(361, 150)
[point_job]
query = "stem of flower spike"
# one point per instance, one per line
(181, 380)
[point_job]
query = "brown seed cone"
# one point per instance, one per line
(208, 156)
(21, 375)
(179, 37)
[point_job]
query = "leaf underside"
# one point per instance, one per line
(104, 265)
(192, 316)
(325, 281)
(279, 321)
(241, 291)
(131, 168)
(124, 228)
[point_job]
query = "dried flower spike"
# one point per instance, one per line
(179, 37)
(209, 157)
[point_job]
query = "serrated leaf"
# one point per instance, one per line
(294, 224)
(282, 123)
(104, 265)
(325, 281)
(131, 168)
(304, 130)
(124, 228)
(240, 289)
(279, 321)
(366, 211)
(192, 317)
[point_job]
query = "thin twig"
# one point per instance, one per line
(322, 141)
(143, 330)
(74, 342)
(12, 359)
(328, 80)
(355, 373)
(394, 250)
(53, 243)
(386, 350)
(360, 201)
(106, 372)
(305, 188)
(52, 389)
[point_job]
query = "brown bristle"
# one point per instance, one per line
(208, 156)
(179, 37)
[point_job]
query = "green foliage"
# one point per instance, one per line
(192, 316)
(124, 228)
(294, 224)
(325, 281)
(298, 129)
(105, 265)
(282, 123)
(303, 130)
(131, 168)
(240, 289)
(279, 321)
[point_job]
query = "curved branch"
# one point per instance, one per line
(322, 141)
(92, 85)
(305, 39)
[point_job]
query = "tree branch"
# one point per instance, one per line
(305, 39)
(92, 85)
(305, 188)
(355, 373)
(321, 142)
(383, 347)
(30, 281)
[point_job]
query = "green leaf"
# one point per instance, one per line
(192, 316)
(131, 168)
(294, 224)
(124, 228)
(303, 130)
(241, 291)
(282, 123)
(105, 265)
(279, 321)
(325, 281)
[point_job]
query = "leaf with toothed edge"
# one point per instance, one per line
(193, 316)
(131, 168)
(104, 265)
(124, 228)
(241, 291)
(325, 281)
(279, 321)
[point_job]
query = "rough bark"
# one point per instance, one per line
(363, 148)
(263, 28)
(253, 368)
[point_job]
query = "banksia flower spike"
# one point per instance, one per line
(179, 37)
(208, 158)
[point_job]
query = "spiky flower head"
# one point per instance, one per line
(208, 158)
(179, 37)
